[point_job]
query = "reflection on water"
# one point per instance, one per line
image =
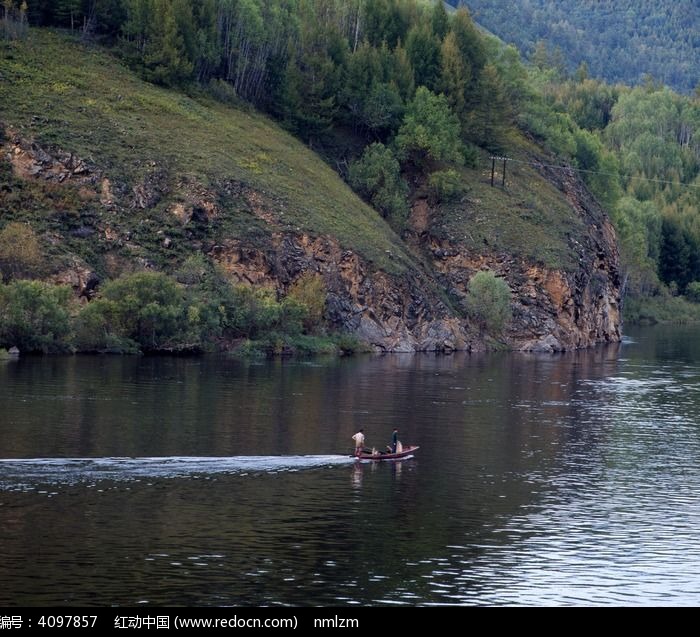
(540, 479)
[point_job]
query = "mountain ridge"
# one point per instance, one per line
(620, 41)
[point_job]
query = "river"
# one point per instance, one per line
(566, 479)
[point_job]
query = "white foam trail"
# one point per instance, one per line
(72, 470)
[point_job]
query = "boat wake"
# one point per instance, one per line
(23, 473)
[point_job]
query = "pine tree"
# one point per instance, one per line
(165, 58)
(469, 41)
(423, 50)
(430, 130)
(402, 74)
(491, 116)
(69, 13)
(362, 70)
(439, 20)
(456, 75)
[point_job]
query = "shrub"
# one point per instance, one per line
(488, 301)
(692, 291)
(146, 307)
(445, 185)
(20, 254)
(350, 344)
(310, 291)
(96, 330)
(35, 316)
(377, 177)
(193, 270)
(250, 312)
(470, 153)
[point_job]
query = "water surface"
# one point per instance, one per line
(568, 479)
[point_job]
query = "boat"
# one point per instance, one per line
(388, 455)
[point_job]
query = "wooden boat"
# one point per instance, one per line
(387, 455)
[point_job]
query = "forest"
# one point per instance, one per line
(619, 40)
(395, 93)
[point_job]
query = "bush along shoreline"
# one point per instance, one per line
(196, 310)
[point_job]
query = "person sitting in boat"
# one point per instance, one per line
(359, 439)
(394, 440)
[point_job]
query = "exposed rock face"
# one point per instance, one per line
(391, 313)
(29, 160)
(553, 310)
(78, 276)
(580, 308)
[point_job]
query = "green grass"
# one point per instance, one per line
(529, 218)
(84, 101)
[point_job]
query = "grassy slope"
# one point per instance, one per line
(84, 101)
(528, 218)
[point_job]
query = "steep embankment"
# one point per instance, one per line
(545, 235)
(115, 174)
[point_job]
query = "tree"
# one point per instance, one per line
(165, 56)
(491, 117)
(430, 130)
(313, 79)
(439, 20)
(14, 19)
(377, 177)
(387, 21)
(679, 254)
(69, 13)
(382, 110)
(638, 228)
(469, 41)
(402, 74)
(20, 254)
(309, 95)
(455, 77)
(136, 27)
(692, 291)
(581, 74)
(423, 50)
(488, 301)
(362, 71)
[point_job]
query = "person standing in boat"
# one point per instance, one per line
(394, 440)
(359, 439)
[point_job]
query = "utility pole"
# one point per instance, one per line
(493, 169)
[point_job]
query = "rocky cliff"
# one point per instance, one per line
(553, 309)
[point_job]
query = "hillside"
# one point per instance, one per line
(619, 40)
(115, 174)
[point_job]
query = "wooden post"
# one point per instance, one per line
(493, 169)
(503, 183)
